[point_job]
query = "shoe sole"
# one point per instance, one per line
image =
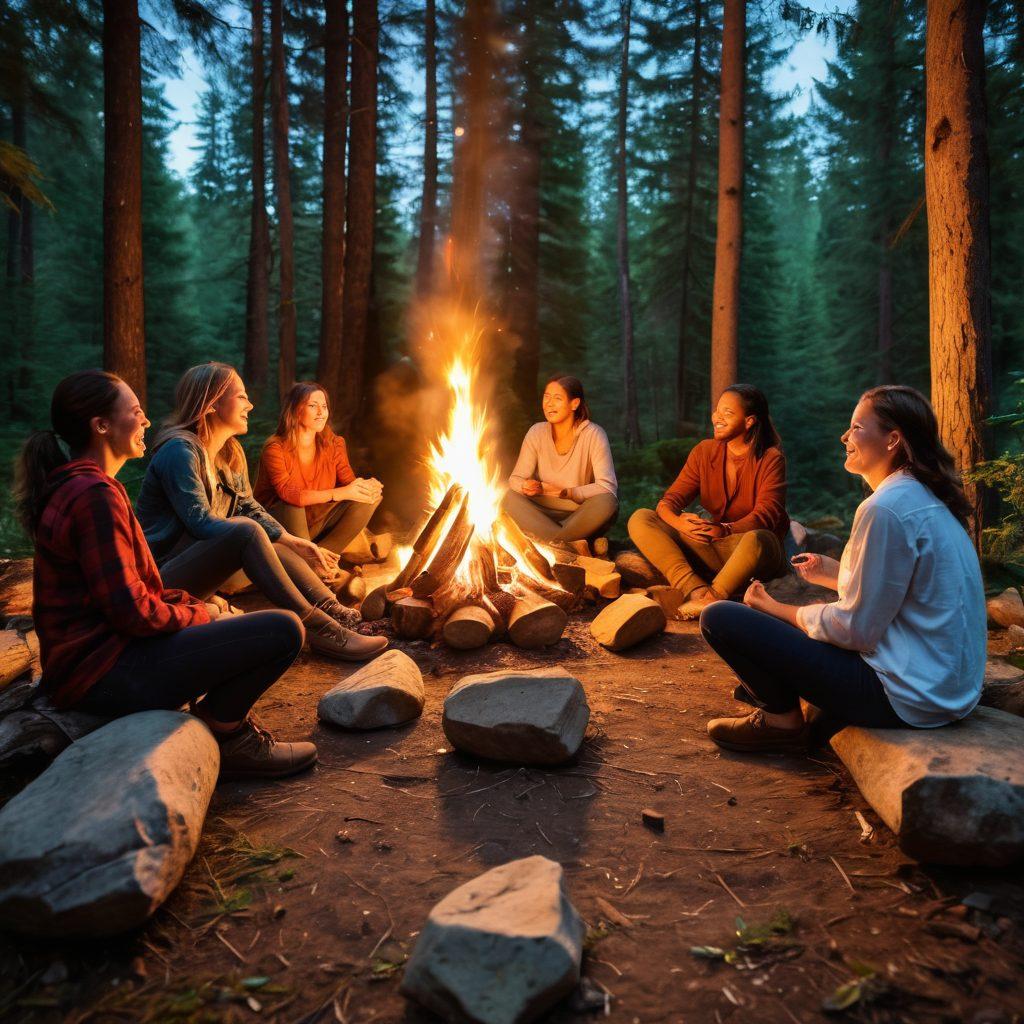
(342, 656)
(256, 774)
(774, 748)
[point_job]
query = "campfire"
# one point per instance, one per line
(472, 575)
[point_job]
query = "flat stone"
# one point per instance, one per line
(953, 795)
(1007, 609)
(501, 949)
(999, 670)
(386, 692)
(530, 717)
(98, 841)
(630, 620)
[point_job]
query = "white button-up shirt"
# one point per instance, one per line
(911, 601)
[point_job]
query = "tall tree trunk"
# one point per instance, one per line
(257, 345)
(124, 337)
(959, 253)
(333, 255)
(725, 314)
(16, 212)
(362, 200)
(622, 237)
(885, 147)
(428, 202)
(684, 388)
(286, 321)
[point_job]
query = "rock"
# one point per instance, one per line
(668, 598)
(528, 717)
(953, 795)
(608, 587)
(39, 729)
(1007, 609)
(999, 670)
(818, 543)
(791, 589)
(653, 819)
(17, 694)
(636, 571)
(501, 949)
(1008, 697)
(386, 692)
(98, 841)
(628, 621)
(1015, 634)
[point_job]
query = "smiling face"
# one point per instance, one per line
(124, 428)
(313, 413)
(729, 419)
(233, 407)
(558, 406)
(871, 450)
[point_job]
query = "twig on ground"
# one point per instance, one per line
(376, 895)
(241, 958)
(725, 886)
(255, 939)
(541, 831)
(692, 913)
(607, 963)
(846, 877)
(636, 881)
(720, 786)
(838, 919)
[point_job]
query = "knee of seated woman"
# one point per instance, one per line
(243, 525)
(283, 624)
(641, 517)
(722, 616)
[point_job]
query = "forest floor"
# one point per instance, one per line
(307, 894)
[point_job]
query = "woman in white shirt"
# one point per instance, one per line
(563, 488)
(904, 645)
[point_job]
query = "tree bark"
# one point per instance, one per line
(333, 255)
(286, 322)
(428, 202)
(885, 147)
(362, 199)
(257, 345)
(124, 337)
(684, 388)
(632, 412)
(959, 256)
(725, 316)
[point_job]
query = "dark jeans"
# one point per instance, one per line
(232, 660)
(281, 576)
(779, 664)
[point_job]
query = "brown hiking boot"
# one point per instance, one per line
(253, 753)
(753, 733)
(335, 641)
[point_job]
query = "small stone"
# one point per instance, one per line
(502, 949)
(342, 836)
(732, 801)
(279, 912)
(1007, 609)
(654, 820)
(527, 717)
(386, 692)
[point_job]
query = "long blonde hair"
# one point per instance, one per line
(199, 388)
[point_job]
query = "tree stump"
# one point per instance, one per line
(468, 627)
(412, 618)
(375, 604)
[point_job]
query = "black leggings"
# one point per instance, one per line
(778, 664)
(281, 576)
(232, 660)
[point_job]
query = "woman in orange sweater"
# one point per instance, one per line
(305, 481)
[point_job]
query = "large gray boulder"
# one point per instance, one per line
(953, 795)
(386, 692)
(528, 717)
(98, 841)
(501, 949)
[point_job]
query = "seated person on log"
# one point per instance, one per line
(204, 525)
(739, 476)
(562, 490)
(305, 481)
(905, 643)
(113, 639)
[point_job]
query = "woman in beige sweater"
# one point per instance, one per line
(563, 488)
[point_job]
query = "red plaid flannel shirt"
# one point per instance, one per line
(96, 586)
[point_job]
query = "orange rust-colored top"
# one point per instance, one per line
(757, 499)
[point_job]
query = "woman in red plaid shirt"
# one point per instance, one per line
(112, 639)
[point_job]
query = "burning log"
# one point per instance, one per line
(535, 622)
(565, 600)
(412, 618)
(450, 553)
(526, 547)
(468, 627)
(570, 577)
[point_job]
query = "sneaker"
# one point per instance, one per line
(753, 733)
(335, 641)
(253, 753)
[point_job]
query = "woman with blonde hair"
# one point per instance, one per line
(204, 525)
(305, 480)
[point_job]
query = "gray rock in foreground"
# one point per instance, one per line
(98, 841)
(386, 692)
(528, 717)
(501, 949)
(953, 795)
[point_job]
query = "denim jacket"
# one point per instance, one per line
(175, 498)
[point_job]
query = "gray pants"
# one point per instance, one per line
(335, 531)
(558, 519)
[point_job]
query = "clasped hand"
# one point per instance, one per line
(362, 489)
(699, 529)
(534, 488)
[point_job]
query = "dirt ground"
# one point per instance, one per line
(306, 895)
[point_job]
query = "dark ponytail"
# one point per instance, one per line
(922, 453)
(755, 404)
(77, 399)
(573, 387)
